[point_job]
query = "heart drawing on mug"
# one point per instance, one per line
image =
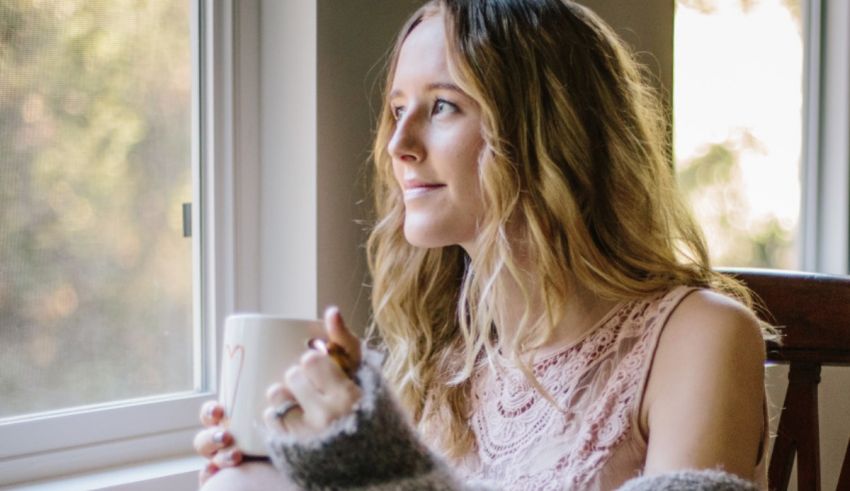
(230, 387)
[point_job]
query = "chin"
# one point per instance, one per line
(434, 239)
(424, 241)
(427, 236)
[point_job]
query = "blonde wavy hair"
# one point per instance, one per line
(576, 178)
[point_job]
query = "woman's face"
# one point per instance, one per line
(436, 144)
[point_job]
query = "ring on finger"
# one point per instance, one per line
(282, 410)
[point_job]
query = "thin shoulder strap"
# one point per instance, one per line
(655, 323)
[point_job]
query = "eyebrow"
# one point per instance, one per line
(430, 87)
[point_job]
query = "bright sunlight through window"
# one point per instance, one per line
(738, 125)
(95, 164)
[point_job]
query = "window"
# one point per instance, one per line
(762, 94)
(95, 264)
(738, 126)
(107, 333)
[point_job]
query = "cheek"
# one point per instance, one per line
(398, 174)
(468, 169)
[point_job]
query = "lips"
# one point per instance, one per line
(414, 184)
(415, 188)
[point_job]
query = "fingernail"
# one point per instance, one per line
(220, 437)
(318, 345)
(331, 311)
(234, 457)
(211, 410)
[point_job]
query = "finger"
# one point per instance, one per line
(323, 372)
(302, 390)
(322, 389)
(211, 440)
(293, 419)
(206, 473)
(317, 412)
(277, 394)
(227, 458)
(211, 413)
(339, 333)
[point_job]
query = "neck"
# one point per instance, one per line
(580, 312)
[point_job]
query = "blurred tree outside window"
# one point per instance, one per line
(738, 125)
(95, 162)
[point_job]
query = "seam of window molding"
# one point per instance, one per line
(173, 473)
(92, 458)
(810, 156)
(828, 199)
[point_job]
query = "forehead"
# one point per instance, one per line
(423, 54)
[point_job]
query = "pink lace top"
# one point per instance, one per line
(594, 442)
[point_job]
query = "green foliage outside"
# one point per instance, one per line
(713, 183)
(95, 139)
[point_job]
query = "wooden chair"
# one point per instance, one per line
(813, 311)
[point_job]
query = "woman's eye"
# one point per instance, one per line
(443, 106)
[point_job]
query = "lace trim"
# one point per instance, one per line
(523, 442)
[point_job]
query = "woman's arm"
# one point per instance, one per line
(704, 402)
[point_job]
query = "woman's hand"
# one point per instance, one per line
(214, 442)
(317, 389)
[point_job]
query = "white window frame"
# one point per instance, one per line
(825, 216)
(72, 441)
(259, 166)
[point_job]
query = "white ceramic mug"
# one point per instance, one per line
(257, 351)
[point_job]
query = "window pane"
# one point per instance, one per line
(738, 125)
(95, 162)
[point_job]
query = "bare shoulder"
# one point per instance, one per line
(703, 405)
(707, 320)
(709, 336)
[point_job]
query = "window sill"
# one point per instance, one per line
(177, 473)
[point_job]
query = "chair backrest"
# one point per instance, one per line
(813, 311)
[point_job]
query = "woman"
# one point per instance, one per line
(544, 300)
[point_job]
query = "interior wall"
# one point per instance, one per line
(287, 179)
(647, 27)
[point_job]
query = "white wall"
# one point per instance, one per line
(318, 66)
(288, 186)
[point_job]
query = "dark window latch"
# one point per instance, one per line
(187, 219)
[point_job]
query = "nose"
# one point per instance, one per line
(406, 143)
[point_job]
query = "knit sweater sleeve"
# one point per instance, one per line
(375, 448)
(689, 480)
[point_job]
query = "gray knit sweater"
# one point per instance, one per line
(375, 448)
